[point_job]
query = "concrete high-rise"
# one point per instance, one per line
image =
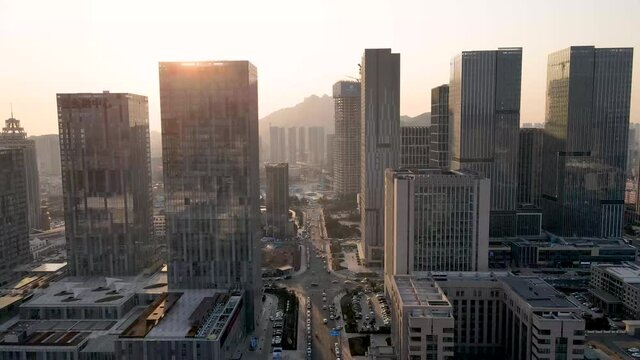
(379, 144)
(277, 200)
(414, 147)
(346, 100)
(14, 225)
(48, 154)
(106, 180)
(330, 154)
(484, 105)
(585, 139)
(277, 144)
(13, 135)
(530, 166)
(435, 220)
(316, 145)
(302, 144)
(292, 142)
(209, 113)
(439, 130)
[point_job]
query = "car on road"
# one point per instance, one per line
(334, 281)
(324, 320)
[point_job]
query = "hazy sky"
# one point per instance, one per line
(300, 47)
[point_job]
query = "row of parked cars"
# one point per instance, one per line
(308, 328)
(582, 297)
(278, 324)
(386, 312)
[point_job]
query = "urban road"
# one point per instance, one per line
(305, 286)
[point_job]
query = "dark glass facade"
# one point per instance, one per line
(209, 114)
(585, 141)
(14, 227)
(414, 147)
(484, 105)
(530, 166)
(106, 181)
(439, 131)
(277, 200)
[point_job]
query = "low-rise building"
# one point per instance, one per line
(616, 289)
(483, 315)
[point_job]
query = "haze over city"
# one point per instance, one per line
(299, 47)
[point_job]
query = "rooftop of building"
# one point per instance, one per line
(191, 313)
(96, 291)
(412, 173)
(424, 295)
(537, 292)
(627, 272)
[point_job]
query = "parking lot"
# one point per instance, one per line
(371, 311)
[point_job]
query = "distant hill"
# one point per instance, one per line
(312, 111)
(420, 120)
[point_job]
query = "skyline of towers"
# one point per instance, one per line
(13, 135)
(292, 144)
(277, 200)
(106, 180)
(586, 137)
(277, 144)
(316, 145)
(436, 220)
(346, 97)
(380, 143)
(484, 105)
(302, 144)
(14, 224)
(209, 113)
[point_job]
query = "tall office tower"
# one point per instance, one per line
(106, 181)
(585, 138)
(14, 226)
(330, 155)
(48, 154)
(302, 144)
(380, 143)
(530, 166)
(292, 141)
(436, 220)
(277, 144)
(484, 105)
(439, 131)
(277, 200)
(316, 145)
(209, 113)
(414, 147)
(346, 173)
(14, 136)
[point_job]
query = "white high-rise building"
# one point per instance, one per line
(436, 220)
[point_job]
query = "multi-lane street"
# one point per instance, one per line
(311, 284)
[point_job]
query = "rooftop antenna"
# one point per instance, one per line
(11, 104)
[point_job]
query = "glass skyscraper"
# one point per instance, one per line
(277, 200)
(439, 130)
(585, 140)
(346, 99)
(106, 181)
(380, 143)
(209, 113)
(484, 103)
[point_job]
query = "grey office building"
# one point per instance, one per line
(209, 113)
(277, 144)
(330, 154)
(316, 145)
(48, 154)
(346, 99)
(13, 135)
(106, 181)
(530, 166)
(484, 104)
(292, 142)
(439, 131)
(585, 141)
(435, 220)
(14, 226)
(414, 147)
(277, 200)
(380, 144)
